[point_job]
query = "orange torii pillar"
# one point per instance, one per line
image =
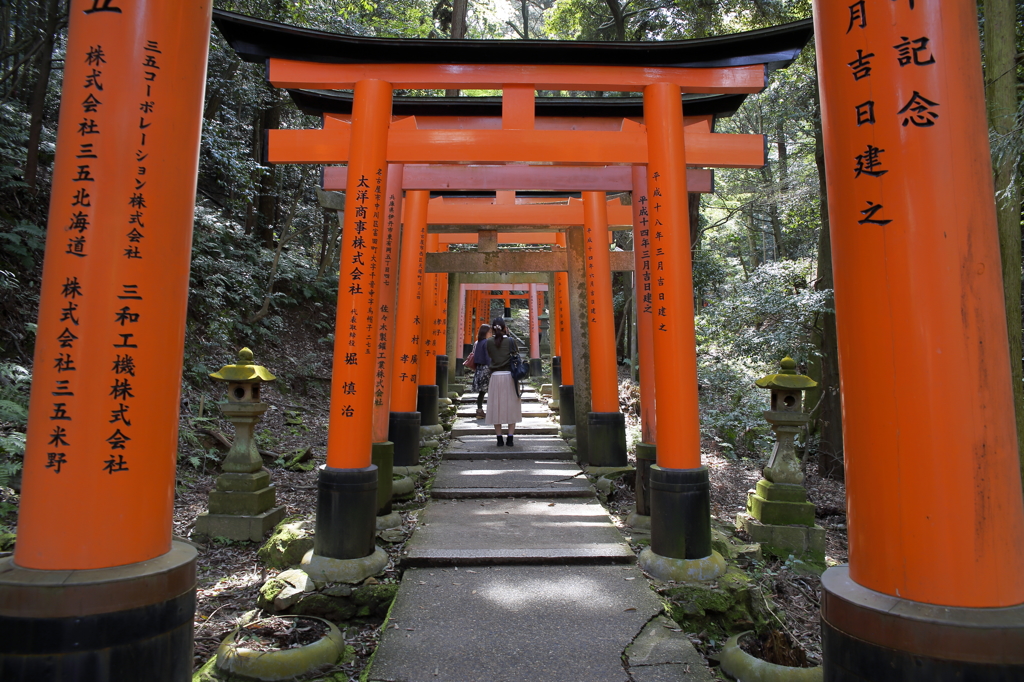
(933, 590)
(566, 396)
(646, 449)
(680, 488)
(404, 423)
(605, 423)
(347, 487)
(440, 338)
(535, 361)
(427, 395)
(96, 589)
(384, 449)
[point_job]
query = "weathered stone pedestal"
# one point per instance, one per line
(430, 417)
(646, 457)
(779, 517)
(242, 506)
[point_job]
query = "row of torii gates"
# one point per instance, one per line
(96, 589)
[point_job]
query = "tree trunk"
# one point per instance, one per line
(460, 8)
(830, 413)
(37, 103)
(266, 202)
(693, 206)
(1001, 95)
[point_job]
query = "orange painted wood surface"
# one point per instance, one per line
(643, 282)
(284, 73)
(604, 383)
(546, 178)
(350, 433)
(932, 475)
(410, 291)
(99, 469)
(571, 147)
(388, 303)
(675, 357)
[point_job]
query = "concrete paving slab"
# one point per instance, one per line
(513, 623)
(526, 447)
(535, 426)
(662, 653)
(510, 531)
(519, 478)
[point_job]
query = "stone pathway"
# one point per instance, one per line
(517, 573)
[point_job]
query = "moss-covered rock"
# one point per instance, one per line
(288, 543)
(727, 606)
(269, 592)
(340, 603)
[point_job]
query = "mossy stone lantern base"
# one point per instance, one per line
(242, 506)
(778, 513)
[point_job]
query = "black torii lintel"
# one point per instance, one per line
(319, 102)
(256, 40)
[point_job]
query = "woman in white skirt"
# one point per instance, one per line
(503, 405)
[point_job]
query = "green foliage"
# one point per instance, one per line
(15, 381)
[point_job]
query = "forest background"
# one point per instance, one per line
(264, 262)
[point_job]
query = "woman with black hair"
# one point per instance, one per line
(503, 406)
(482, 371)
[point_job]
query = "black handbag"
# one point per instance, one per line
(516, 366)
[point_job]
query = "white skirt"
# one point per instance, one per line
(503, 405)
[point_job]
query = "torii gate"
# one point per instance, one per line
(936, 516)
(375, 138)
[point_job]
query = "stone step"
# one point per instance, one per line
(530, 426)
(509, 478)
(526, 447)
(516, 531)
(537, 623)
(526, 397)
(529, 410)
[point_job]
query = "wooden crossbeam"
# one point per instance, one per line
(568, 147)
(285, 73)
(447, 212)
(515, 261)
(492, 178)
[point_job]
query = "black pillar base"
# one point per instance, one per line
(867, 636)
(535, 367)
(404, 432)
(384, 459)
(607, 432)
(680, 512)
(426, 405)
(508, 313)
(346, 513)
(442, 376)
(143, 633)
(566, 406)
(556, 372)
(646, 457)
(459, 367)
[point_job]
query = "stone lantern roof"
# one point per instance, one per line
(787, 378)
(243, 370)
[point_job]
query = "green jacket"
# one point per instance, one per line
(500, 356)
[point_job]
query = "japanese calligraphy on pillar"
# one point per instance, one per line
(652, 235)
(387, 284)
(888, 54)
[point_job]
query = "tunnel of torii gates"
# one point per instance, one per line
(97, 590)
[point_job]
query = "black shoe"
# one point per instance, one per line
(508, 441)
(500, 442)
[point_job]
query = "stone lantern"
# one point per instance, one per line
(242, 506)
(778, 513)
